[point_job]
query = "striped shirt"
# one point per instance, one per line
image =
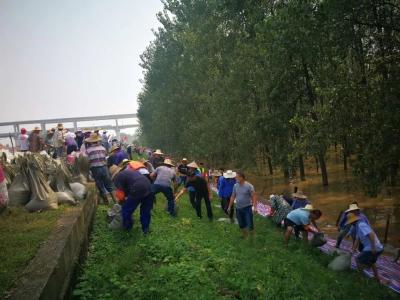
(97, 156)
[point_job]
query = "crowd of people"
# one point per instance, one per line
(134, 183)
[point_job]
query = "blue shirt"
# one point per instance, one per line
(299, 216)
(117, 158)
(133, 183)
(225, 187)
(362, 230)
(343, 219)
(299, 203)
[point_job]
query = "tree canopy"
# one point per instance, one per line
(234, 81)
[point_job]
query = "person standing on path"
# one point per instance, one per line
(133, 189)
(98, 166)
(225, 190)
(70, 142)
(164, 176)
(79, 137)
(371, 246)
(35, 141)
(157, 159)
(22, 141)
(202, 191)
(59, 141)
(117, 156)
(246, 203)
(183, 172)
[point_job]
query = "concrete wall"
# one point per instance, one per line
(49, 273)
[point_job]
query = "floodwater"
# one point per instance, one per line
(342, 190)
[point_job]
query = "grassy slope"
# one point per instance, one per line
(187, 258)
(20, 236)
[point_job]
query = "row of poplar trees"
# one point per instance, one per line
(238, 82)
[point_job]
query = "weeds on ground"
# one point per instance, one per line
(21, 234)
(188, 258)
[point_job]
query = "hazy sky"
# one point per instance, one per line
(67, 58)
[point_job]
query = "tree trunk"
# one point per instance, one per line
(301, 167)
(271, 170)
(393, 173)
(324, 172)
(344, 160)
(317, 164)
(286, 173)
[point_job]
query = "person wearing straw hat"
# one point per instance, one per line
(344, 228)
(226, 183)
(246, 201)
(117, 156)
(202, 191)
(193, 169)
(35, 141)
(299, 200)
(98, 166)
(366, 237)
(157, 158)
(300, 220)
(133, 189)
(183, 172)
(59, 141)
(164, 176)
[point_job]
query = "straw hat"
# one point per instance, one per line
(168, 162)
(37, 129)
(308, 207)
(353, 207)
(114, 170)
(60, 126)
(94, 138)
(184, 159)
(158, 151)
(351, 218)
(299, 195)
(115, 147)
(229, 174)
(216, 173)
(193, 165)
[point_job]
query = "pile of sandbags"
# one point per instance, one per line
(40, 182)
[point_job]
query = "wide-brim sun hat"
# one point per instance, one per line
(184, 159)
(308, 207)
(353, 207)
(114, 170)
(229, 174)
(115, 147)
(351, 218)
(193, 165)
(168, 162)
(60, 126)
(158, 151)
(94, 138)
(299, 194)
(37, 129)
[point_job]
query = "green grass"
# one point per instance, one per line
(21, 234)
(188, 258)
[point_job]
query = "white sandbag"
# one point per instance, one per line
(79, 190)
(3, 195)
(116, 222)
(341, 262)
(19, 192)
(65, 198)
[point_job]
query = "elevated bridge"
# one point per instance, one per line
(16, 125)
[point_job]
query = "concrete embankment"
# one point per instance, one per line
(49, 273)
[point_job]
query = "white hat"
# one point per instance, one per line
(168, 162)
(353, 207)
(193, 165)
(230, 174)
(158, 151)
(308, 207)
